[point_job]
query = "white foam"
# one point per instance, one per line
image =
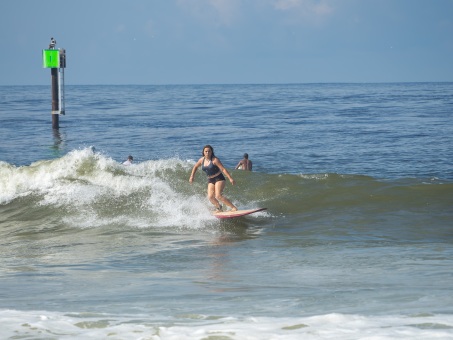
(43, 324)
(93, 190)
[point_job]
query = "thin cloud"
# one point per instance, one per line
(120, 28)
(229, 12)
(221, 12)
(312, 9)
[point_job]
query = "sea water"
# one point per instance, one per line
(357, 241)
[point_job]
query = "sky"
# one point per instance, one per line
(228, 41)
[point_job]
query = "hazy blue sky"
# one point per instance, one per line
(228, 41)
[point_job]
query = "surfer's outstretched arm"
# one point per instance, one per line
(217, 162)
(194, 170)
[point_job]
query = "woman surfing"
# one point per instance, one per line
(215, 171)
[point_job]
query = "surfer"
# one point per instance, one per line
(128, 161)
(216, 180)
(245, 163)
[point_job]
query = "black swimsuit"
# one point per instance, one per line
(211, 169)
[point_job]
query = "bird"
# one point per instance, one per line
(52, 44)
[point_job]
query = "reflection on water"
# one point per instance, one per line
(221, 273)
(58, 142)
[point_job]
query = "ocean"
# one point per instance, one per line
(356, 241)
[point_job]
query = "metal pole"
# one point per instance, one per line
(61, 105)
(55, 99)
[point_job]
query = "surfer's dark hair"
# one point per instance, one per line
(209, 147)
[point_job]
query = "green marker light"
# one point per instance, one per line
(50, 58)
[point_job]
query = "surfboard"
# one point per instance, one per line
(237, 213)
